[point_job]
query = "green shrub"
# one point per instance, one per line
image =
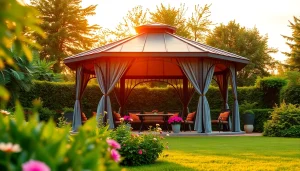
(261, 116)
(45, 114)
(290, 94)
(271, 87)
(43, 142)
(285, 119)
(138, 149)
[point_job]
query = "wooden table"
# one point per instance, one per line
(165, 118)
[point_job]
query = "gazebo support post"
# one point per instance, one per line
(122, 96)
(185, 97)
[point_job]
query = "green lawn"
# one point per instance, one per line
(228, 153)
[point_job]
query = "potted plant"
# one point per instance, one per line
(248, 118)
(127, 121)
(68, 114)
(175, 121)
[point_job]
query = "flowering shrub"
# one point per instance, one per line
(126, 119)
(42, 146)
(139, 149)
(175, 120)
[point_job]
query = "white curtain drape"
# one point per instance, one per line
(108, 73)
(81, 81)
(235, 110)
(200, 73)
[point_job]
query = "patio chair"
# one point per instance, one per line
(222, 121)
(116, 118)
(189, 120)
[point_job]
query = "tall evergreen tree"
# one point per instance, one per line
(245, 42)
(67, 29)
(294, 43)
(199, 23)
(172, 16)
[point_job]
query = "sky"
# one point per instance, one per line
(270, 17)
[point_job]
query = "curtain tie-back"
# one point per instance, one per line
(105, 94)
(202, 94)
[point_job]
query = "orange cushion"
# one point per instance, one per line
(190, 116)
(174, 114)
(117, 116)
(134, 117)
(83, 117)
(224, 116)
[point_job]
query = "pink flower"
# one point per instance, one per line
(175, 119)
(167, 147)
(34, 165)
(114, 154)
(114, 144)
(140, 151)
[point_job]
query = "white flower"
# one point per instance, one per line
(154, 139)
(157, 125)
(159, 129)
(121, 119)
(168, 135)
(10, 148)
(4, 112)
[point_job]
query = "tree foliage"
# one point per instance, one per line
(247, 43)
(294, 43)
(18, 77)
(17, 22)
(67, 29)
(172, 16)
(135, 17)
(199, 23)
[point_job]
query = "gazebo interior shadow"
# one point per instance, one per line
(156, 53)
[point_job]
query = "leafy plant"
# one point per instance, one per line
(285, 120)
(138, 149)
(248, 112)
(56, 148)
(43, 71)
(245, 106)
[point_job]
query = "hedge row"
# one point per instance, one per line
(291, 94)
(56, 96)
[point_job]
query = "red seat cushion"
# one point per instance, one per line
(190, 116)
(83, 117)
(134, 117)
(117, 116)
(224, 116)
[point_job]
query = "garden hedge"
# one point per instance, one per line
(271, 87)
(290, 94)
(56, 96)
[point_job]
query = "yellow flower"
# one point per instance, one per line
(10, 147)
(154, 139)
(157, 125)
(168, 135)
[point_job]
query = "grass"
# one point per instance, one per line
(228, 153)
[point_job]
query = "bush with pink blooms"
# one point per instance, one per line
(139, 149)
(35, 145)
(175, 120)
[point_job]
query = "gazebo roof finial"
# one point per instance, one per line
(155, 27)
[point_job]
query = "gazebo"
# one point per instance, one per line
(156, 53)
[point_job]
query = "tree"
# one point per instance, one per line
(294, 43)
(67, 29)
(135, 17)
(247, 43)
(172, 16)
(199, 23)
